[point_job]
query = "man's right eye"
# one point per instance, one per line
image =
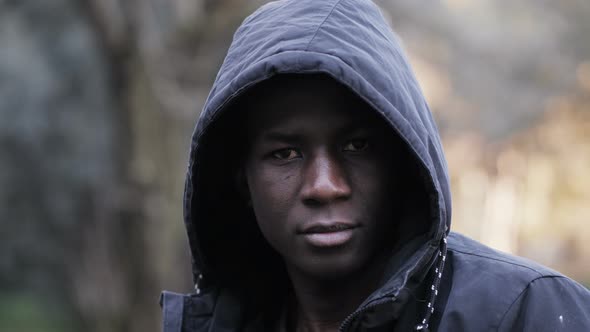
(286, 154)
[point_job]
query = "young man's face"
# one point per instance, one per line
(321, 176)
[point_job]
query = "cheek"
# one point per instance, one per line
(267, 187)
(272, 196)
(376, 186)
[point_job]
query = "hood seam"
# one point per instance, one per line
(321, 24)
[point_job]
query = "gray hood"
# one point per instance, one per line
(348, 40)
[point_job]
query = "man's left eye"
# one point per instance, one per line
(356, 145)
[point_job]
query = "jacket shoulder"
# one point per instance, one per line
(491, 260)
(489, 290)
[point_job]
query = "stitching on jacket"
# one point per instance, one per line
(528, 286)
(504, 261)
(321, 24)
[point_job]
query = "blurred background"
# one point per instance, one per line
(98, 99)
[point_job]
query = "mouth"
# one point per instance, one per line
(329, 234)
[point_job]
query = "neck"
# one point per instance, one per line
(323, 304)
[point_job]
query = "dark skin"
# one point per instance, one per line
(319, 173)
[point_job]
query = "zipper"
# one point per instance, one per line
(358, 312)
(374, 303)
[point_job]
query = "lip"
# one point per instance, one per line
(330, 234)
(331, 227)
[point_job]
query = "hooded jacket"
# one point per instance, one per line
(437, 281)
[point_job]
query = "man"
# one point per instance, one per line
(317, 195)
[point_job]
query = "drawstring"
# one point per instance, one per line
(423, 326)
(198, 283)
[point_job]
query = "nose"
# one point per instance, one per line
(325, 180)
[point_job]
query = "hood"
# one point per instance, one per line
(347, 40)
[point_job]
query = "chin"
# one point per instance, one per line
(331, 267)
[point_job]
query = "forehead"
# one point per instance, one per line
(310, 101)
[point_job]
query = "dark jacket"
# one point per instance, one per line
(437, 281)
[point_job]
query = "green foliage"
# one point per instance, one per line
(28, 313)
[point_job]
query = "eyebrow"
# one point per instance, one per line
(274, 135)
(290, 136)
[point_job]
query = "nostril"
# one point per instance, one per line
(312, 202)
(318, 195)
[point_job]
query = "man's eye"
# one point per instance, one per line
(285, 154)
(356, 145)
